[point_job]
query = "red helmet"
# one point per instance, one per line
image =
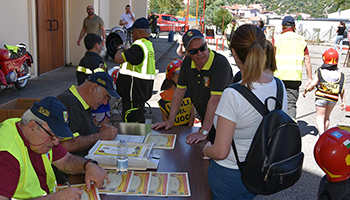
(330, 57)
(173, 66)
(115, 74)
(332, 154)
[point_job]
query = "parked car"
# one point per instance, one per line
(168, 22)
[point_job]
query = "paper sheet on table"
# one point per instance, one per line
(139, 183)
(161, 141)
(159, 184)
(130, 138)
(91, 195)
(178, 184)
(119, 183)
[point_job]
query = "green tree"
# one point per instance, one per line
(165, 6)
(222, 15)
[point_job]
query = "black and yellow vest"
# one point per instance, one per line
(329, 91)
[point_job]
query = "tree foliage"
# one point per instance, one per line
(165, 6)
(221, 16)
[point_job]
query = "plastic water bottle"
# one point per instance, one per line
(122, 158)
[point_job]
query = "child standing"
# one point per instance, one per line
(185, 116)
(329, 84)
(92, 63)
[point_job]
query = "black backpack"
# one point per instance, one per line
(345, 34)
(274, 160)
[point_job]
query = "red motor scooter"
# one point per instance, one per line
(14, 66)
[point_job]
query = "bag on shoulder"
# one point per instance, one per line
(274, 160)
(345, 34)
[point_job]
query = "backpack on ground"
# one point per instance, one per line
(274, 160)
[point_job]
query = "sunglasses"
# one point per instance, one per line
(195, 51)
(53, 137)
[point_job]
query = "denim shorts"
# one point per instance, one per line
(323, 102)
(226, 184)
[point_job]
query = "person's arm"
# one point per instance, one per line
(103, 31)
(308, 69)
(208, 120)
(76, 165)
(343, 102)
(132, 16)
(118, 58)
(180, 49)
(192, 116)
(311, 86)
(175, 105)
(81, 143)
(81, 35)
(224, 133)
(164, 116)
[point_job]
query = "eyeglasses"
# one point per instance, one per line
(53, 137)
(195, 51)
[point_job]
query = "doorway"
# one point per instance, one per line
(50, 27)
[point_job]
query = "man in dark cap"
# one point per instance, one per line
(205, 74)
(137, 72)
(291, 53)
(79, 101)
(28, 148)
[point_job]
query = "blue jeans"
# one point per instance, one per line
(226, 184)
(339, 39)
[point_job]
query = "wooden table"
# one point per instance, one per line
(183, 158)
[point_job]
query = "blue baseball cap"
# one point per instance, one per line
(191, 35)
(142, 23)
(55, 114)
(105, 80)
(288, 20)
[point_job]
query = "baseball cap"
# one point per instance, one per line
(105, 80)
(55, 114)
(288, 20)
(191, 35)
(140, 23)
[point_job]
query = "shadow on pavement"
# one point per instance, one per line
(306, 128)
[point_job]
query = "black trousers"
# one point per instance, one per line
(133, 112)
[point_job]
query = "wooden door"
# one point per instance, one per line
(50, 35)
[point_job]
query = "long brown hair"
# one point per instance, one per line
(270, 57)
(249, 42)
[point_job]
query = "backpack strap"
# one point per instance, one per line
(257, 104)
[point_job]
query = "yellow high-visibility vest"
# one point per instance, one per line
(289, 56)
(28, 185)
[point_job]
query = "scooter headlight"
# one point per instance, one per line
(11, 77)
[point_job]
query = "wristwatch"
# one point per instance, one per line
(204, 132)
(119, 48)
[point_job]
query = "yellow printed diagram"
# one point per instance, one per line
(161, 141)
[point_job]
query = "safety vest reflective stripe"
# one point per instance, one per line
(28, 185)
(88, 71)
(134, 70)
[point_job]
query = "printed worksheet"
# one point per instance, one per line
(178, 184)
(130, 138)
(159, 184)
(111, 150)
(91, 195)
(139, 183)
(161, 141)
(119, 183)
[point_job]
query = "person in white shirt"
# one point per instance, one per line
(127, 20)
(236, 118)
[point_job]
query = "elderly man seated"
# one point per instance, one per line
(28, 148)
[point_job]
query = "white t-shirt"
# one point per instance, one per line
(127, 18)
(234, 107)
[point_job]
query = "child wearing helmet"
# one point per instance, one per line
(185, 116)
(329, 83)
(332, 156)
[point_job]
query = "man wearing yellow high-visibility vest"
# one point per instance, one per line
(291, 53)
(29, 146)
(137, 73)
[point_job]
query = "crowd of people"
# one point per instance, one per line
(49, 142)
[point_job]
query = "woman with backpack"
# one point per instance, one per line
(236, 118)
(340, 35)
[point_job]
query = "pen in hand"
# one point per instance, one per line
(67, 182)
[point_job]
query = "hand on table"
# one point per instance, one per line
(108, 132)
(95, 174)
(165, 124)
(69, 193)
(195, 137)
